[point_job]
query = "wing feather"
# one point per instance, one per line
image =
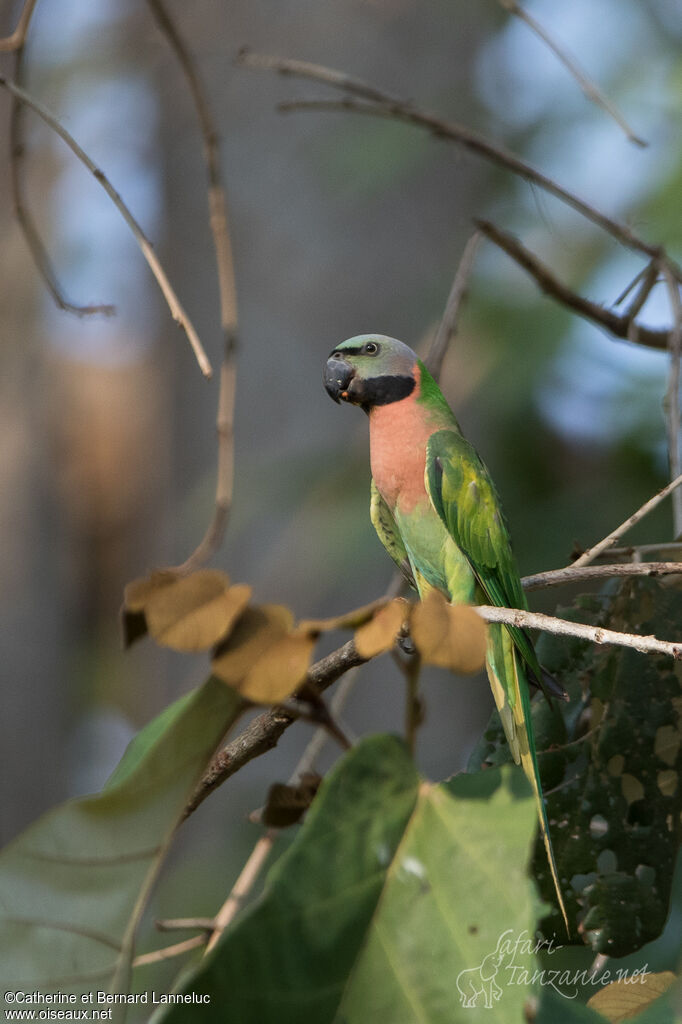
(388, 534)
(464, 496)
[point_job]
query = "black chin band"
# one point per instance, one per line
(381, 390)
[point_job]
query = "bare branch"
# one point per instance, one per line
(648, 506)
(18, 38)
(242, 887)
(447, 329)
(146, 248)
(168, 952)
(596, 634)
(620, 325)
(592, 91)
(376, 102)
(637, 551)
(215, 531)
(264, 732)
(482, 147)
(558, 577)
(317, 73)
(24, 218)
(217, 203)
(671, 402)
(647, 278)
(177, 924)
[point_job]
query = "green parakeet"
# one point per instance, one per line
(435, 509)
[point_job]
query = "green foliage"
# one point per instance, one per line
(391, 897)
(73, 887)
(610, 768)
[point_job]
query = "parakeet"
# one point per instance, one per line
(436, 511)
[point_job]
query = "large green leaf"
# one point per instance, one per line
(610, 763)
(74, 885)
(397, 900)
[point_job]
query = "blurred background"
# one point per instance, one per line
(340, 225)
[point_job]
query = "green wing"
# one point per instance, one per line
(464, 496)
(388, 534)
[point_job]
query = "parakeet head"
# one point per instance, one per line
(371, 370)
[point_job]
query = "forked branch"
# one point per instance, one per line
(145, 246)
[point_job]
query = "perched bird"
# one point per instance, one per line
(436, 511)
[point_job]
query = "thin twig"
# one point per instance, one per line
(23, 216)
(382, 104)
(316, 714)
(318, 740)
(168, 952)
(648, 506)
(242, 887)
(176, 924)
(482, 147)
(18, 38)
(671, 402)
(648, 279)
(447, 329)
(414, 712)
(559, 577)
(592, 91)
(629, 287)
(620, 325)
(317, 73)
(640, 550)
(215, 531)
(597, 634)
(145, 246)
(217, 203)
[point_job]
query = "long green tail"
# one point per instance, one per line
(513, 704)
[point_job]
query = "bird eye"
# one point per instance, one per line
(336, 355)
(370, 349)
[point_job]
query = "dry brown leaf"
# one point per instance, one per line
(286, 804)
(257, 629)
(379, 634)
(348, 620)
(138, 592)
(625, 998)
(134, 626)
(447, 635)
(279, 670)
(194, 612)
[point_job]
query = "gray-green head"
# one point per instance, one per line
(370, 370)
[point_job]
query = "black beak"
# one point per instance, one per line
(337, 376)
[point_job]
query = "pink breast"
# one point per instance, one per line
(398, 434)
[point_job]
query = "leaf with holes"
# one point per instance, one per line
(610, 762)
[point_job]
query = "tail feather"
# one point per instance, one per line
(513, 704)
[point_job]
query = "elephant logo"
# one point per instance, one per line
(473, 982)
